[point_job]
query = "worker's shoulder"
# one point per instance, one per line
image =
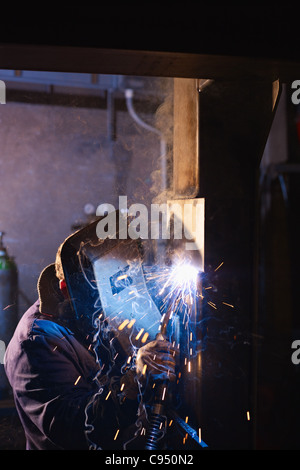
(34, 325)
(44, 327)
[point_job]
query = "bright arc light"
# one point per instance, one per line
(185, 274)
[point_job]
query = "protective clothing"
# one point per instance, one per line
(157, 358)
(53, 380)
(73, 383)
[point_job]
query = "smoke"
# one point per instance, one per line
(204, 321)
(161, 177)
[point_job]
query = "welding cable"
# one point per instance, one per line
(158, 356)
(157, 417)
(157, 428)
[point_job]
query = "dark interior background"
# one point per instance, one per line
(252, 212)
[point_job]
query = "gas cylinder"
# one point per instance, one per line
(8, 307)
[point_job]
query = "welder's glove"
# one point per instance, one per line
(157, 360)
(129, 385)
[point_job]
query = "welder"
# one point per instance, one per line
(70, 391)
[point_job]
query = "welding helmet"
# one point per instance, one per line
(106, 285)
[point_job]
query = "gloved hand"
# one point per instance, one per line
(129, 385)
(157, 360)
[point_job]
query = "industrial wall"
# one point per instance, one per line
(57, 164)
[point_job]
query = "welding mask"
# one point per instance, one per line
(106, 285)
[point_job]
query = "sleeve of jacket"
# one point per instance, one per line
(56, 389)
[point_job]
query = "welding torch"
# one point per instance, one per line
(157, 410)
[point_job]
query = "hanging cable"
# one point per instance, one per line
(140, 122)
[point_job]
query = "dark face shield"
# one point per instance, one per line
(106, 282)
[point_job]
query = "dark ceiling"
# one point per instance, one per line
(265, 30)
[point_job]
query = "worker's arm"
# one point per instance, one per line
(56, 390)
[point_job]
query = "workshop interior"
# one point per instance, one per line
(220, 136)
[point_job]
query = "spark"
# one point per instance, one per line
(212, 305)
(219, 267)
(163, 394)
(107, 396)
(124, 276)
(122, 326)
(139, 334)
(131, 323)
(189, 366)
(11, 305)
(170, 423)
(116, 435)
(77, 380)
(248, 415)
(199, 434)
(122, 387)
(228, 305)
(145, 337)
(144, 369)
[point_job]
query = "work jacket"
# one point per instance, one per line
(57, 395)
